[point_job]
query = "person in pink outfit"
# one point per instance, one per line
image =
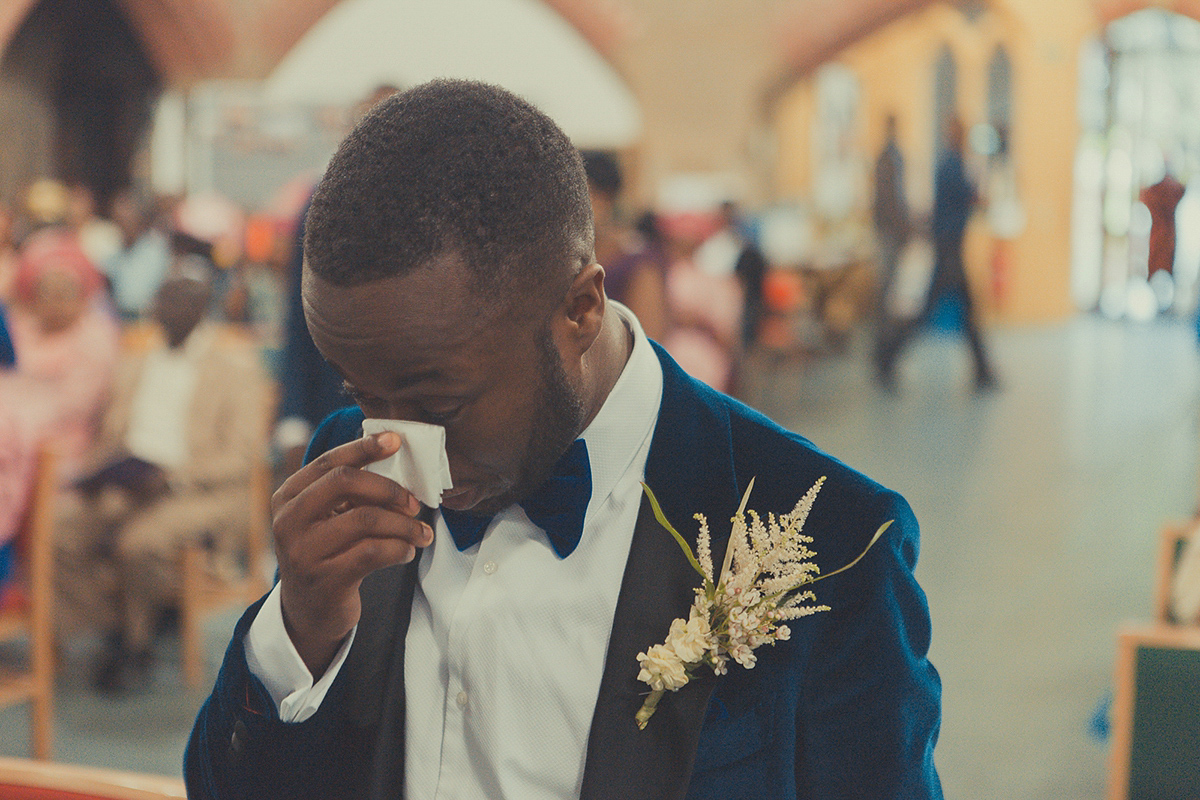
(706, 305)
(66, 344)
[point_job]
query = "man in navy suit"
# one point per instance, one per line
(488, 647)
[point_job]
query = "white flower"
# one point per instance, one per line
(690, 640)
(662, 668)
(742, 654)
(759, 586)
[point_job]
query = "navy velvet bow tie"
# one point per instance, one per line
(558, 507)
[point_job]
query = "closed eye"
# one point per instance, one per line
(370, 403)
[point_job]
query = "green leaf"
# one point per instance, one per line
(870, 544)
(662, 520)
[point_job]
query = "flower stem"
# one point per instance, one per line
(647, 710)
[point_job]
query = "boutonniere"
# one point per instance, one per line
(760, 586)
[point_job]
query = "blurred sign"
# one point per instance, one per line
(248, 148)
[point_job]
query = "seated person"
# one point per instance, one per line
(171, 469)
(706, 308)
(634, 272)
(64, 344)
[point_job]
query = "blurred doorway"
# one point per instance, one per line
(76, 94)
(1138, 164)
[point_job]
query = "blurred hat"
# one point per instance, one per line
(54, 250)
(46, 201)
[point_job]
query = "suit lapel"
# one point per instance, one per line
(654, 763)
(383, 700)
(377, 703)
(689, 470)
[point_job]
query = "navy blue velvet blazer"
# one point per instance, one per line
(848, 708)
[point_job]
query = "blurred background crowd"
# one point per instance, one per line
(777, 187)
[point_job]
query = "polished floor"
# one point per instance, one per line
(1040, 506)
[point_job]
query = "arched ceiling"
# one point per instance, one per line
(524, 45)
(184, 38)
(817, 30)
(201, 38)
(1109, 10)
(602, 23)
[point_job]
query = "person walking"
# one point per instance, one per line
(891, 216)
(954, 197)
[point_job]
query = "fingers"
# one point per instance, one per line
(356, 454)
(343, 488)
(334, 523)
(393, 535)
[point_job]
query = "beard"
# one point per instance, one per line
(559, 413)
(560, 417)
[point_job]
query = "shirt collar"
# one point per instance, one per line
(195, 346)
(626, 419)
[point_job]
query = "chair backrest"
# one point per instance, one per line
(36, 619)
(1172, 542)
(1155, 718)
(22, 779)
(35, 546)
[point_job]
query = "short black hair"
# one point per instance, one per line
(458, 167)
(603, 172)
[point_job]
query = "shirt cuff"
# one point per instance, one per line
(272, 658)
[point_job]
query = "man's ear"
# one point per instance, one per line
(582, 312)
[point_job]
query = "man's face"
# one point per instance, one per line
(422, 347)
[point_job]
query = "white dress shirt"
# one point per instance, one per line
(162, 401)
(506, 645)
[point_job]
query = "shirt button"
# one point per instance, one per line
(237, 742)
(489, 567)
(461, 699)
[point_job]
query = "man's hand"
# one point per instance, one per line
(335, 523)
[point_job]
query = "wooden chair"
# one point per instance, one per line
(1156, 705)
(202, 592)
(22, 779)
(1170, 549)
(1156, 714)
(34, 620)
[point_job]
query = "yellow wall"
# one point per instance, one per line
(895, 66)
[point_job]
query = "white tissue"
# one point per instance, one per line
(421, 464)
